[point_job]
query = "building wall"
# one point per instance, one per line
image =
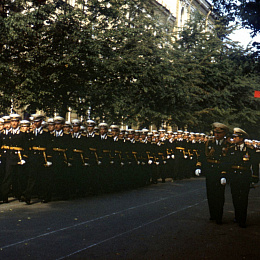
(182, 10)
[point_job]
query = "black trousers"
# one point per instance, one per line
(35, 171)
(61, 177)
(240, 186)
(215, 194)
(14, 177)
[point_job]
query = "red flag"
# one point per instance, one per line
(257, 94)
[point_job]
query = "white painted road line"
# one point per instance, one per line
(129, 231)
(97, 219)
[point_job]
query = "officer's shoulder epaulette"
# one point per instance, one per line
(231, 146)
(210, 142)
(67, 133)
(83, 134)
(97, 134)
(45, 130)
(250, 146)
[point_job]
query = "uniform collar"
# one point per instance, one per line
(15, 131)
(76, 135)
(59, 133)
(240, 147)
(103, 136)
(219, 142)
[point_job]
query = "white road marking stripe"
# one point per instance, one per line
(129, 231)
(93, 220)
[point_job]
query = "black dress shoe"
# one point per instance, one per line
(5, 200)
(242, 225)
(28, 201)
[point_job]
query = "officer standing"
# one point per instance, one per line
(244, 169)
(216, 150)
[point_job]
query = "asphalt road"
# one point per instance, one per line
(164, 221)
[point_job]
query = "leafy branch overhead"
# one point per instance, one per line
(120, 59)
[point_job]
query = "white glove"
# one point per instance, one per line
(223, 181)
(138, 162)
(164, 162)
(122, 164)
(150, 162)
(69, 164)
(111, 162)
(99, 162)
(197, 172)
(157, 163)
(191, 158)
(168, 156)
(22, 162)
(185, 156)
(143, 163)
(48, 164)
(86, 164)
(173, 156)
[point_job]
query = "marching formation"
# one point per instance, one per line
(64, 160)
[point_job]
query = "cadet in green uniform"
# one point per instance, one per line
(243, 169)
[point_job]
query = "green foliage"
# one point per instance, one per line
(221, 76)
(247, 12)
(117, 58)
